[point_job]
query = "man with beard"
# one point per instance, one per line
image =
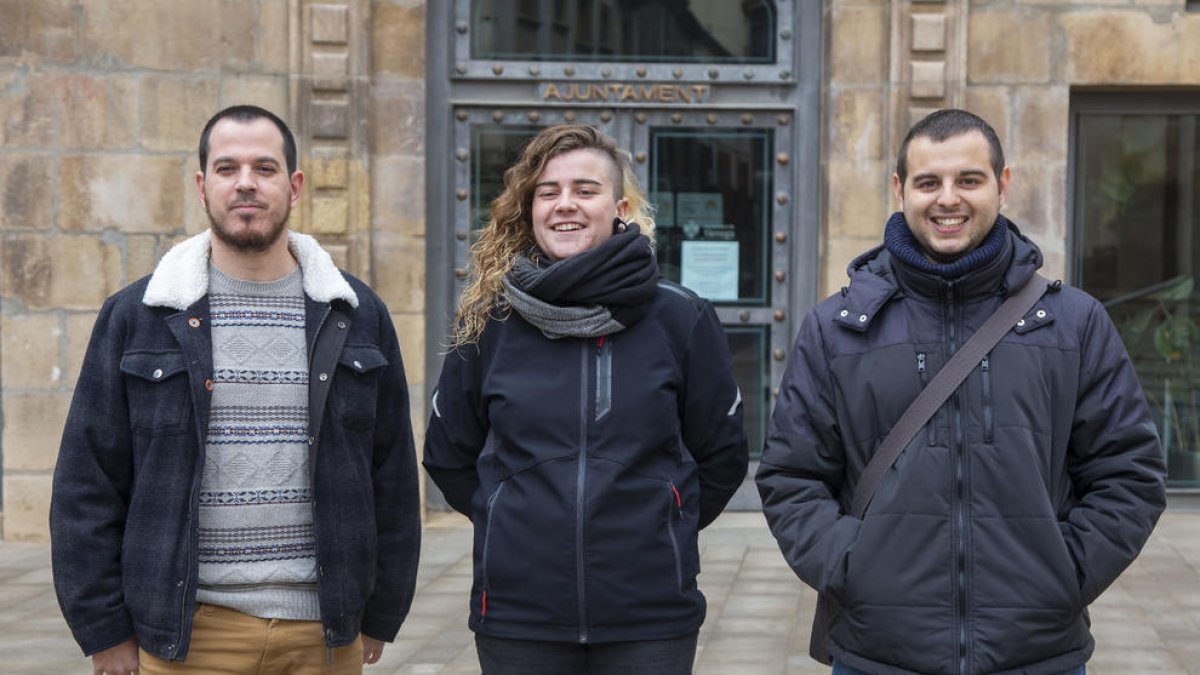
(236, 489)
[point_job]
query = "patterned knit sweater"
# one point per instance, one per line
(257, 550)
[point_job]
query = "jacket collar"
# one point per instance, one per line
(181, 277)
(876, 276)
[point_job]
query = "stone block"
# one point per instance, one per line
(141, 255)
(992, 104)
(69, 110)
(195, 218)
(329, 23)
(43, 30)
(331, 71)
(410, 331)
(340, 254)
(929, 32)
(130, 193)
(33, 430)
(916, 113)
(174, 111)
(1040, 124)
(398, 34)
(271, 49)
(836, 255)
(398, 195)
(236, 34)
(27, 507)
(29, 351)
(398, 118)
(995, 56)
(1034, 188)
(325, 171)
(267, 91)
(331, 214)
(1124, 47)
(79, 333)
(858, 45)
(856, 124)
(399, 262)
(928, 79)
(181, 36)
(70, 272)
(858, 197)
(27, 191)
(330, 119)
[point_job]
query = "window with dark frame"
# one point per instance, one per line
(1136, 229)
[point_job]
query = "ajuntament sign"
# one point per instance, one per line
(623, 92)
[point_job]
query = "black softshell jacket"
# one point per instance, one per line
(588, 467)
(1024, 497)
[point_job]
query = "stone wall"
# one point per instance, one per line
(1014, 62)
(101, 106)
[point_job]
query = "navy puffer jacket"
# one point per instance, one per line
(588, 467)
(1028, 493)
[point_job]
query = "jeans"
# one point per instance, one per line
(500, 656)
(840, 668)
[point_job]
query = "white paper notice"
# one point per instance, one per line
(710, 268)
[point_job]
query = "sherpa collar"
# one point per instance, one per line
(181, 277)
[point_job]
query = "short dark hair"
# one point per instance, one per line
(249, 113)
(942, 124)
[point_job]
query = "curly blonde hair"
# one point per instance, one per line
(509, 233)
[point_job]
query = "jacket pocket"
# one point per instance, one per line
(356, 386)
(490, 509)
(675, 515)
(156, 386)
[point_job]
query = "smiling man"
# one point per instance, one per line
(1022, 499)
(236, 490)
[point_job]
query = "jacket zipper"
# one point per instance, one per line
(580, 482)
(675, 510)
(986, 370)
(487, 547)
(960, 479)
(924, 374)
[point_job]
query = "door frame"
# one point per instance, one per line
(461, 91)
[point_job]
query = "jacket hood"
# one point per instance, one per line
(874, 278)
(181, 277)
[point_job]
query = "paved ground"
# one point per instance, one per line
(1149, 622)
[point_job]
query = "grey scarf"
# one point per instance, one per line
(560, 321)
(598, 292)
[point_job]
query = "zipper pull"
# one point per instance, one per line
(921, 362)
(678, 500)
(985, 366)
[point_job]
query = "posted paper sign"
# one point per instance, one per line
(710, 268)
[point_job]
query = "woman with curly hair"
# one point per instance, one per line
(586, 421)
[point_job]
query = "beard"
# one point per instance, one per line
(248, 241)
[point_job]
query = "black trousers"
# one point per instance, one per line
(501, 656)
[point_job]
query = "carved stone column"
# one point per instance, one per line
(330, 83)
(928, 68)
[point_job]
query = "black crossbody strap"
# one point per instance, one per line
(939, 389)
